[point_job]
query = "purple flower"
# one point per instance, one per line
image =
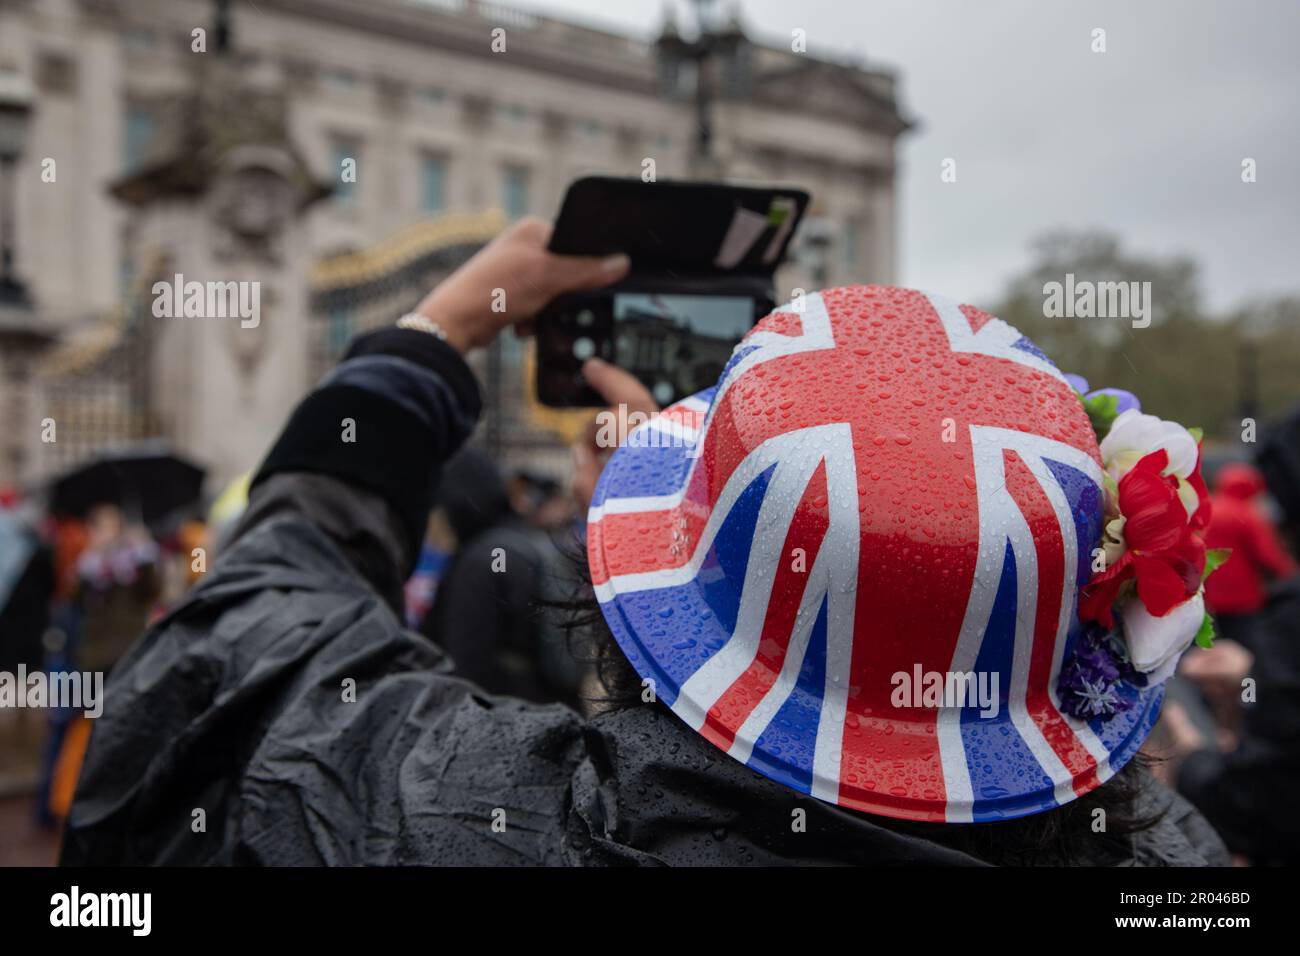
(1087, 699)
(1093, 682)
(1097, 662)
(1126, 399)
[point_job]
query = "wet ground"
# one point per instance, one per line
(22, 842)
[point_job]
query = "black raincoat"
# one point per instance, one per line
(487, 614)
(283, 715)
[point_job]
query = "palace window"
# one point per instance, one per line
(338, 331)
(141, 127)
(346, 170)
(342, 78)
(515, 191)
(139, 39)
(433, 184)
(852, 228)
(515, 115)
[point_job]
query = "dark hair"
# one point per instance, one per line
(1062, 836)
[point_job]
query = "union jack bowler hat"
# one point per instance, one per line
(886, 493)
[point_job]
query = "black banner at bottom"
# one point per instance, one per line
(562, 907)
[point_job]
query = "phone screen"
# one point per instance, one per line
(703, 257)
(678, 344)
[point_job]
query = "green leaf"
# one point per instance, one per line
(1205, 636)
(1102, 411)
(1197, 434)
(1214, 559)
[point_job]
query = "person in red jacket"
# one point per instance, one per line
(1238, 589)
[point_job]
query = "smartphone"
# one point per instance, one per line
(676, 343)
(703, 259)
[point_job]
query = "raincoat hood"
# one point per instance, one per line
(1239, 480)
(473, 493)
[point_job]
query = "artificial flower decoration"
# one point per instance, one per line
(1157, 546)
(1103, 405)
(1133, 435)
(1099, 680)
(1156, 643)
(1145, 605)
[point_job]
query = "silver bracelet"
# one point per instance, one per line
(422, 323)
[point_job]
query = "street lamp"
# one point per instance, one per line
(16, 98)
(703, 50)
(714, 42)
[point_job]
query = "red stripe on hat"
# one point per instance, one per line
(783, 323)
(1045, 527)
(807, 530)
(919, 549)
(977, 318)
(643, 541)
(690, 417)
(595, 552)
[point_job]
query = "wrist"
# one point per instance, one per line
(417, 322)
(462, 329)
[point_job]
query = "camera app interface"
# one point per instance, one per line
(678, 344)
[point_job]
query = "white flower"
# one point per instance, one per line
(1156, 643)
(1112, 540)
(1133, 436)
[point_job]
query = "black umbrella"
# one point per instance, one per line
(148, 482)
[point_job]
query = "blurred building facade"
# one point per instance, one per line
(145, 157)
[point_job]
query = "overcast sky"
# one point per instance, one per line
(1145, 140)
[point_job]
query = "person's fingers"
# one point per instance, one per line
(628, 399)
(618, 387)
(1225, 663)
(535, 230)
(576, 273)
(1182, 730)
(588, 437)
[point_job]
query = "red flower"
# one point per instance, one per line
(1163, 554)
(1201, 517)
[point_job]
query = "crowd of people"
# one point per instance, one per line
(76, 591)
(1230, 727)
(327, 565)
(79, 591)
